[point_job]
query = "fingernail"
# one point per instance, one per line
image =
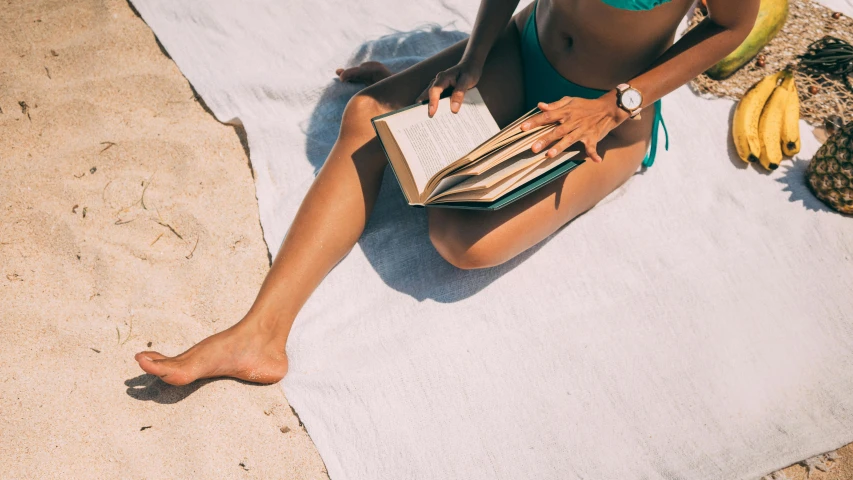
(146, 357)
(525, 125)
(455, 105)
(537, 146)
(552, 152)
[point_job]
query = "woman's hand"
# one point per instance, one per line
(461, 77)
(578, 120)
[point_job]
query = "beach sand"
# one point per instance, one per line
(128, 220)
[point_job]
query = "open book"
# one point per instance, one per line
(463, 159)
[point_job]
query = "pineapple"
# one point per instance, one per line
(830, 173)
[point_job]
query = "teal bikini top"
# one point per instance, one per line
(634, 4)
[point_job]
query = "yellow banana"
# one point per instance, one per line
(770, 128)
(791, 119)
(747, 114)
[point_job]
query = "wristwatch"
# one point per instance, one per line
(629, 99)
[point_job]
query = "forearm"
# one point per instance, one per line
(695, 52)
(589, 121)
(492, 18)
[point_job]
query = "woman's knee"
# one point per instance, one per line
(362, 107)
(461, 251)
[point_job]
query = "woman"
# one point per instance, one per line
(621, 51)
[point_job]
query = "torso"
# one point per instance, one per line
(598, 46)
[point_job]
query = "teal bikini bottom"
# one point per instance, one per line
(543, 83)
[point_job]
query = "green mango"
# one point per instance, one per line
(772, 15)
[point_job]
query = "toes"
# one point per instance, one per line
(351, 74)
(163, 367)
(151, 362)
(374, 65)
(150, 356)
(368, 73)
(373, 72)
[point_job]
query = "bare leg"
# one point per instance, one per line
(471, 239)
(474, 239)
(329, 222)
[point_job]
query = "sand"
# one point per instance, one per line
(128, 218)
(90, 273)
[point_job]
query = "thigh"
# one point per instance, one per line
(501, 83)
(491, 238)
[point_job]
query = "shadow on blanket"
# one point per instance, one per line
(396, 241)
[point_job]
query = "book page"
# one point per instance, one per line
(517, 179)
(501, 171)
(510, 150)
(398, 163)
(496, 174)
(514, 128)
(446, 183)
(547, 166)
(494, 148)
(430, 144)
(489, 194)
(507, 135)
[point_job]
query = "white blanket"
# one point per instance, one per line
(694, 325)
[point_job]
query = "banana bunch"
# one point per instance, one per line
(766, 122)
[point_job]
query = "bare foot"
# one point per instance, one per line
(367, 73)
(242, 351)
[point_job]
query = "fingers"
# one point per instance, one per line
(464, 83)
(423, 96)
(536, 120)
(550, 137)
(568, 131)
(550, 114)
(591, 151)
(440, 84)
(456, 99)
(562, 145)
(546, 118)
(554, 105)
(434, 95)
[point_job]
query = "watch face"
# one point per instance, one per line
(631, 99)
